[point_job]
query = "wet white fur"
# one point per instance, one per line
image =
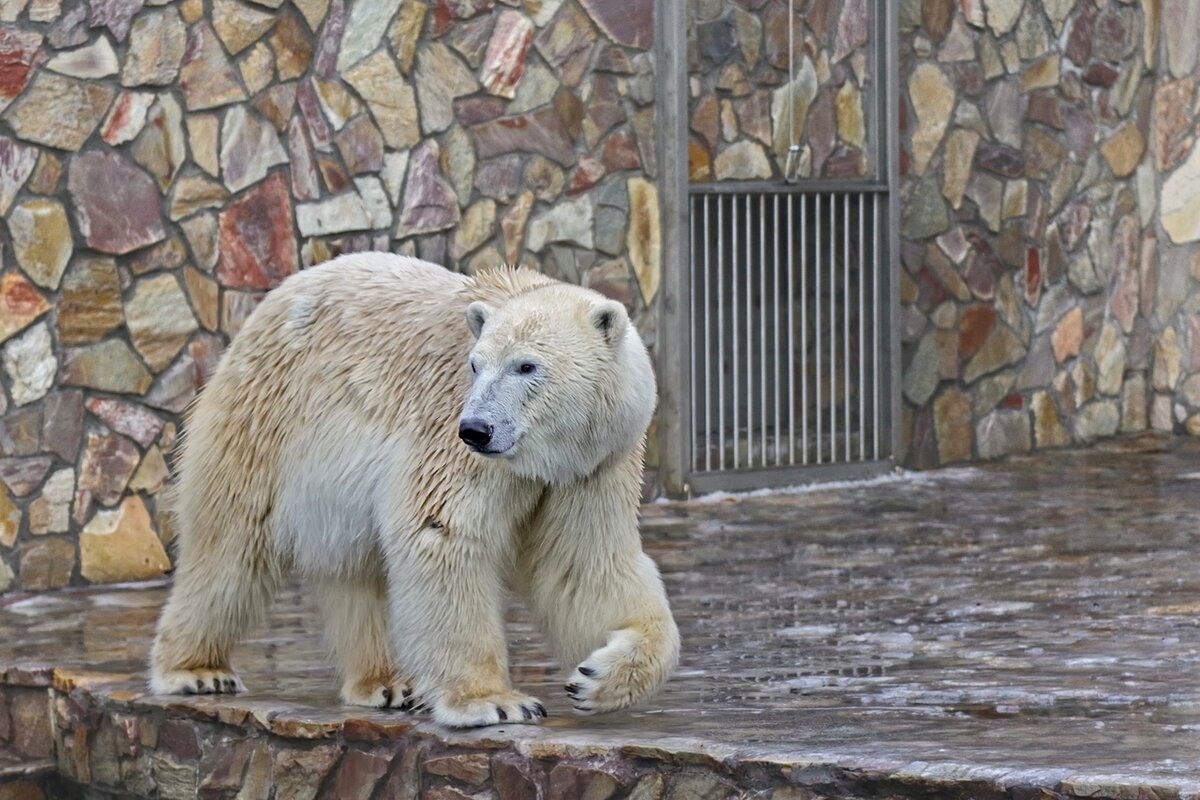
(326, 444)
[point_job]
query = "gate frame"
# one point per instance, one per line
(675, 476)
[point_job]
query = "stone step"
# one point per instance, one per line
(15, 768)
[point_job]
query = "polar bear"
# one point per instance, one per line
(419, 443)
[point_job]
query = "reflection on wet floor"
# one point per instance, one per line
(1031, 621)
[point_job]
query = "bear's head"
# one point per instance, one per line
(560, 383)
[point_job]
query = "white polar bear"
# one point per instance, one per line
(330, 443)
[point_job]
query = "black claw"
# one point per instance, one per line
(189, 690)
(407, 693)
(583, 708)
(199, 686)
(406, 705)
(387, 696)
(525, 712)
(587, 673)
(573, 688)
(500, 711)
(541, 709)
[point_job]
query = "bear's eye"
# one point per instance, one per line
(473, 369)
(527, 368)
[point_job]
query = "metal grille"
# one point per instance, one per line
(788, 329)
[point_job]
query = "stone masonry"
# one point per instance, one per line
(1050, 223)
(164, 164)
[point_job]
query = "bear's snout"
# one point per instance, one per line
(475, 432)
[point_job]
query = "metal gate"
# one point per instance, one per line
(780, 356)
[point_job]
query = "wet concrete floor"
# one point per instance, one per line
(1029, 623)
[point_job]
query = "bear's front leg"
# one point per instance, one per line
(599, 598)
(447, 600)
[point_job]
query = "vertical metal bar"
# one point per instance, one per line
(791, 301)
(749, 292)
(777, 230)
(817, 351)
(708, 344)
(804, 329)
(691, 272)
(720, 332)
(833, 227)
(846, 320)
(876, 311)
(762, 324)
(735, 379)
(862, 354)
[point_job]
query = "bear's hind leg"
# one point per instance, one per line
(214, 600)
(357, 627)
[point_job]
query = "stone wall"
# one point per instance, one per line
(1050, 190)
(749, 101)
(163, 165)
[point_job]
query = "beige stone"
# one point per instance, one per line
(257, 67)
(159, 320)
(314, 11)
(238, 25)
(390, 98)
(1068, 335)
(120, 545)
(952, 425)
(339, 105)
(203, 132)
(512, 226)
(1016, 198)
(10, 519)
(41, 240)
(51, 511)
(1041, 73)
(1134, 404)
(195, 192)
(1179, 207)
(1168, 361)
(1048, 429)
(933, 100)
(851, 128)
(959, 156)
(151, 474)
(1123, 150)
(1110, 360)
(204, 294)
(58, 111)
(477, 225)
(644, 236)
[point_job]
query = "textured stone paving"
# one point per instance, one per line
(996, 629)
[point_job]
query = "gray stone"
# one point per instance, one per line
(1096, 420)
(570, 221)
(30, 364)
(1003, 432)
(925, 214)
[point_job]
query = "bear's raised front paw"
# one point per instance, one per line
(615, 676)
(506, 707)
(197, 681)
(376, 693)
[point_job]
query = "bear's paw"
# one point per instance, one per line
(378, 694)
(615, 676)
(197, 681)
(502, 708)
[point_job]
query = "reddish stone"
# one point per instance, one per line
(20, 304)
(1013, 401)
(626, 22)
(23, 475)
(846, 162)
(361, 146)
(566, 44)
(504, 62)
(570, 111)
(1123, 292)
(304, 172)
(974, 327)
(605, 109)
(1033, 275)
(981, 267)
(822, 129)
(62, 425)
(613, 59)
(1081, 131)
(258, 245)
(335, 178)
(1173, 117)
(310, 107)
(1073, 224)
(19, 53)
(474, 110)
(1046, 108)
(325, 59)
(134, 421)
(706, 121)
(206, 350)
(1000, 159)
(1100, 74)
(620, 152)
(116, 15)
(968, 77)
(1115, 33)
(499, 178)
(292, 45)
(276, 105)
(541, 132)
(936, 16)
(586, 175)
(1079, 44)
(108, 463)
(357, 774)
(851, 28)
(429, 201)
(116, 204)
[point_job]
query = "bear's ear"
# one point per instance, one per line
(610, 319)
(477, 314)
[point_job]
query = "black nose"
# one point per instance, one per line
(475, 432)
